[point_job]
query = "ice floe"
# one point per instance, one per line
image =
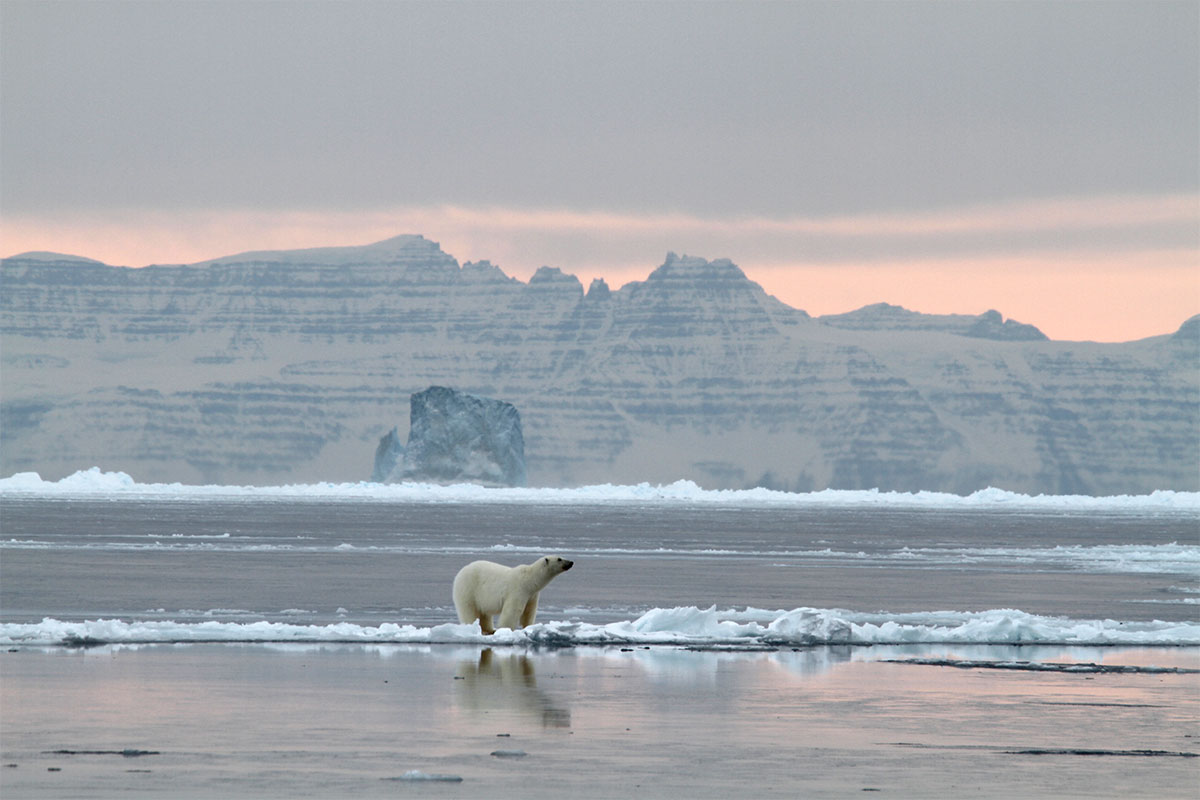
(682, 626)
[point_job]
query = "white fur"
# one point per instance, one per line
(483, 589)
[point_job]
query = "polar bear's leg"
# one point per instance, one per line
(510, 615)
(464, 600)
(468, 612)
(530, 612)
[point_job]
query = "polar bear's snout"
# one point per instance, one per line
(567, 565)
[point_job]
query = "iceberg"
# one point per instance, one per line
(389, 456)
(455, 437)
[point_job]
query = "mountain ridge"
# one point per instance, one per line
(876, 315)
(286, 366)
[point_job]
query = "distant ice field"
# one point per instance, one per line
(94, 481)
(1179, 556)
(100, 558)
(1169, 558)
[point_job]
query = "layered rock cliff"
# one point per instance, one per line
(278, 367)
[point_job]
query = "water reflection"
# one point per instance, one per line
(506, 682)
(333, 719)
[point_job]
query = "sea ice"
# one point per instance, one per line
(687, 626)
(417, 776)
(91, 482)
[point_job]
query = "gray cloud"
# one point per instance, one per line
(771, 108)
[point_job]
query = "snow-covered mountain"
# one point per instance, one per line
(285, 366)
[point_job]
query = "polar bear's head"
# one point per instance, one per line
(554, 564)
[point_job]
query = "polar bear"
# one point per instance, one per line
(484, 588)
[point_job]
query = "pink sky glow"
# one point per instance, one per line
(1101, 269)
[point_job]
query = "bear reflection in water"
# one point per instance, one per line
(506, 683)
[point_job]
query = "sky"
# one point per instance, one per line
(1039, 158)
